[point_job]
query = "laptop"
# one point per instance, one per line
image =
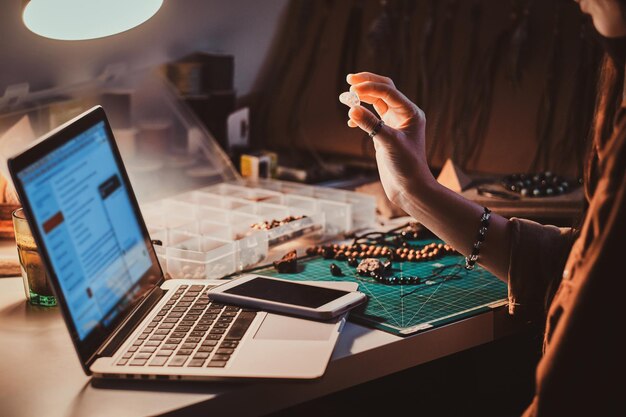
(124, 318)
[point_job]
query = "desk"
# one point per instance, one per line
(40, 373)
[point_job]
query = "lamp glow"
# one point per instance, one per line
(86, 19)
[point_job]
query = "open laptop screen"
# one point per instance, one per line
(91, 233)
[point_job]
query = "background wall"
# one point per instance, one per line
(244, 28)
(507, 86)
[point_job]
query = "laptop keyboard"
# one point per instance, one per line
(191, 331)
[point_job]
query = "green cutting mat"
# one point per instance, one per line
(407, 309)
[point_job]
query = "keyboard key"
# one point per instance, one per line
(225, 319)
(178, 334)
(196, 362)
(232, 308)
(193, 339)
(201, 355)
(224, 351)
(122, 362)
(188, 346)
(206, 321)
(240, 326)
(221, 357)
(220, 325)
(168, 346)
(164, 352)
(148, 349)
(170, 303)
(229, 314)
(197, 334)
(127, 355)
(161, 331)
(157, 337)
(205, 348)
(171, 320)
(174, 340)
(133, 348)
(142, 355)
(157, 319)
(167, 326)
(187, 322)
(210, 343)
(201, 327)
(197, 287)
(214, 336)
(143, 336)
(138, 362)
(179, 309)
(175, 315)
(185, 352)
(158, 361)
(183, 304)
(152, 325)
(152, 343)
(229, 344)
(184, 329)
(216, 364)
(137, 342)
(178, 360)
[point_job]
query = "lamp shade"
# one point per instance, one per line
(86, 19)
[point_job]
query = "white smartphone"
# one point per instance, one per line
(288, 297)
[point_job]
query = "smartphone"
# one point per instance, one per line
(287, 297)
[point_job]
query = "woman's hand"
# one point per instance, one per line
(400, 144)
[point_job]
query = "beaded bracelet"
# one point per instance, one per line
(471, 259)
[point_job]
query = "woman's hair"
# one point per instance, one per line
(608, 101)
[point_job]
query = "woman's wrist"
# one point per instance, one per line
(414, 197)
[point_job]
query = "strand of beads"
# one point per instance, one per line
(394, 280)
(362, 250)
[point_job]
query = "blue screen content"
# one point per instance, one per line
(84, 215)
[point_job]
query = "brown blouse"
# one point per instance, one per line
(582, 372)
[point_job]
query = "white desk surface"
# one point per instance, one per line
(40, 373)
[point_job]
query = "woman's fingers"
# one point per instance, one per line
(362, 77)
(381, 107)
(366, 120)
(385, 92)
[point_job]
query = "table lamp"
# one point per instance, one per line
(86, 19)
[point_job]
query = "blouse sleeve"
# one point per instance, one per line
(537, 259)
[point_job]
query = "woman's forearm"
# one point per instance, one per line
(456, 220)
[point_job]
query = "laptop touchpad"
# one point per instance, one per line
(276, 327)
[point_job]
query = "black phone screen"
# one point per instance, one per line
(286, 292)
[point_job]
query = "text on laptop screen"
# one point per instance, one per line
(86, 220)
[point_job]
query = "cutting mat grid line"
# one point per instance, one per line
(404, 310)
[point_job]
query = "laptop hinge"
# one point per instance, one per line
(130, 324)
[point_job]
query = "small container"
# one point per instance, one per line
(201, 258)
